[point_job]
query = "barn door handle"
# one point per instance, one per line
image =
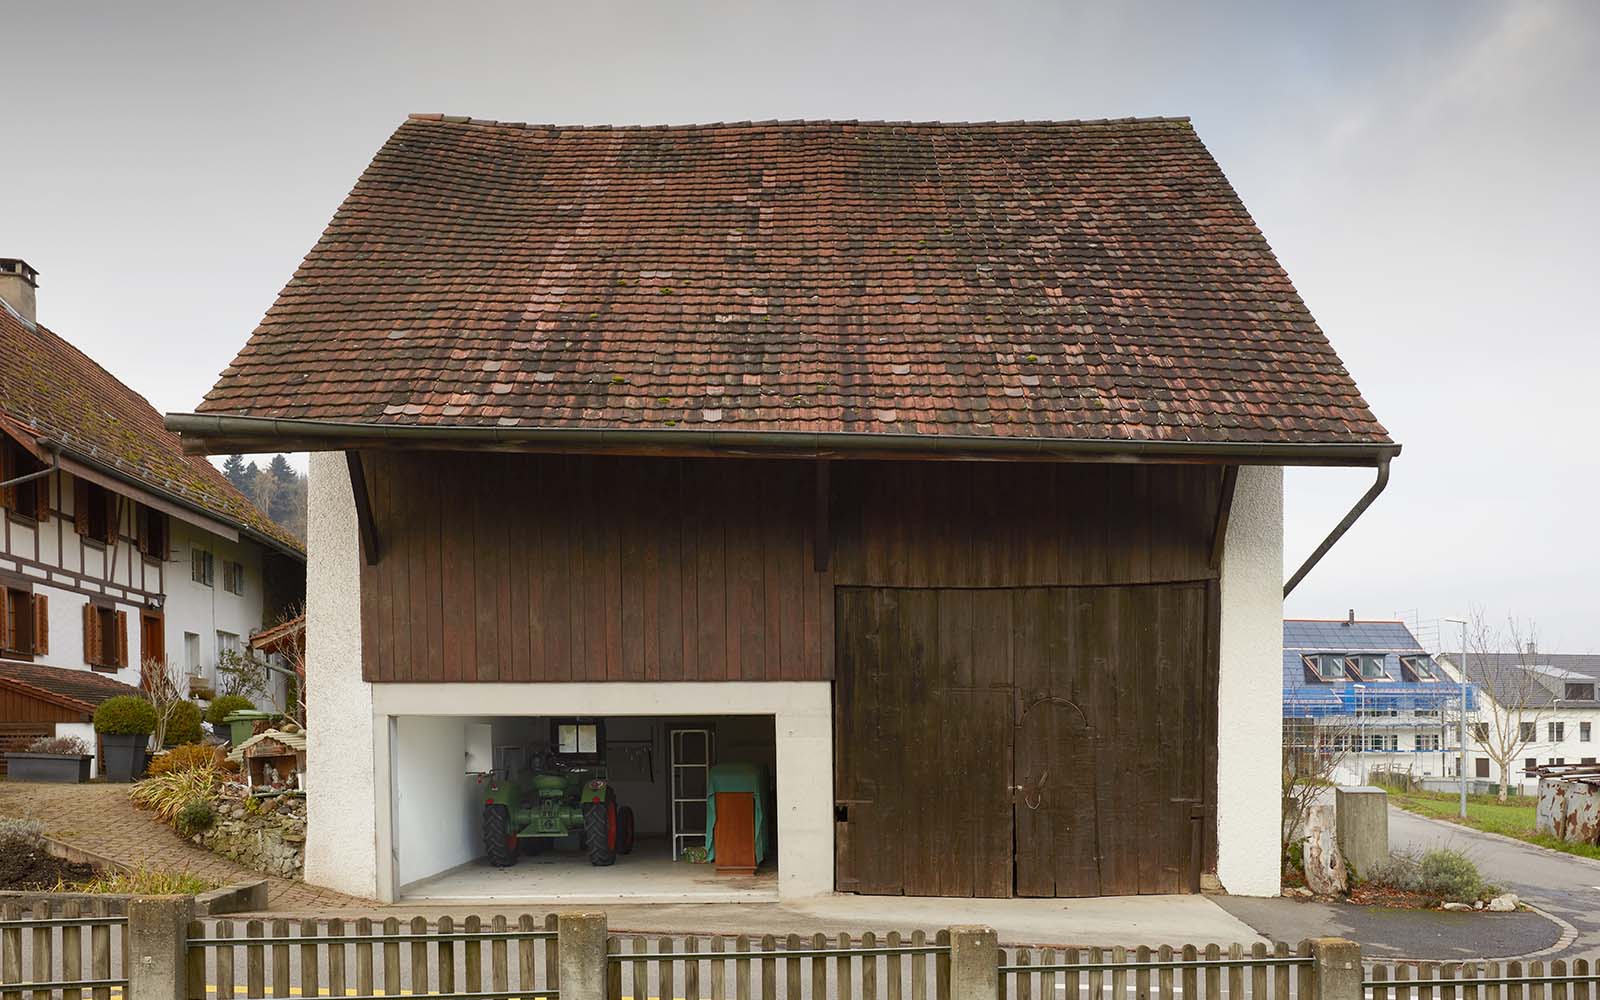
(1016, 788)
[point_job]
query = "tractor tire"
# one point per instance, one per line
(499, 842)
(600, 830)
(625, 830)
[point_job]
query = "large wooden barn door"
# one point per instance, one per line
(922, 728)
(1042, 741)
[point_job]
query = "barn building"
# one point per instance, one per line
(932, 470)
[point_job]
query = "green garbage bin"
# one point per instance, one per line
(242, 724)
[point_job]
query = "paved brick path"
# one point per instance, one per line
(101, 819)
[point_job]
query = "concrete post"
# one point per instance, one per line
(1361, 819)
(158, 942)
(974, 963)
(581, 951)
(1336, 970)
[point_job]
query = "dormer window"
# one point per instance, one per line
(1327, 666)
(1422, 667)
(1580, 692)
(1369, 667)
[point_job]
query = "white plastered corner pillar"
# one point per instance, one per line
(1250, 688)
(341, 793)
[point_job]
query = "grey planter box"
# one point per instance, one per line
(66, 769)
(125, 755)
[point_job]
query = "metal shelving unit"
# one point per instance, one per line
(693, 751)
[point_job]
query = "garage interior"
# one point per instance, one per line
(659, 769)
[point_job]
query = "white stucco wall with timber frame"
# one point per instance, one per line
(352, 837)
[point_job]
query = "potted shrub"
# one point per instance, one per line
(220, 708)
(63, 759)
(124, 724)
(183, 725)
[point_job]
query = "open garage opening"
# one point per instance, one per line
(585, 808)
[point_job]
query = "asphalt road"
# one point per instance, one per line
(1566, 886)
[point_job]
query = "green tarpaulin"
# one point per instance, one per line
(737, 778)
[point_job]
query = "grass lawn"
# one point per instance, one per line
(1512, 818)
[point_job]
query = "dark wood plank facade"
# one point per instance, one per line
(578, 568)
(585, 568)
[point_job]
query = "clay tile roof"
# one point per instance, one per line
(51, 390)
(86, 688)
(1048, 280)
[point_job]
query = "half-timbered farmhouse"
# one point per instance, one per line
(935, 469)
(118, 552)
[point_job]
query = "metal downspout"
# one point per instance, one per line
(1342, 527)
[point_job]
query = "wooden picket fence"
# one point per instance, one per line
(1209, 973)
(1481, 981)
(72, 947)
(893, 966)
(471, 960)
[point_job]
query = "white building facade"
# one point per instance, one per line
(117, 551)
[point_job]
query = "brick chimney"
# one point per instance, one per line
(17, 284)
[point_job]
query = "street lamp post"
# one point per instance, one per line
(1461, 723)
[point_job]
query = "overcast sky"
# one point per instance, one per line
(1425, 171)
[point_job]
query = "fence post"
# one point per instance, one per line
(1335, 970)
(580, 955)
(158, 944)
(974, 963)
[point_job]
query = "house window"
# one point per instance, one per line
(1527, 731)
(1579, 692)
(1583, 732)
(1557, 731)
(1483, 767)
(94, 511)
(233, 577)
(24, 622)
(1530, 765)
(203, 567)
(1427, 741)
(1383, 744)
(1587, 760)
(1369, 667)
(30, 499)
(227, 644)
(1480, 732)
(1421, 666)
(155, 534)
(1558, 761)
(581, 737)
(105, 636)
(191, 653)
(1327, 666)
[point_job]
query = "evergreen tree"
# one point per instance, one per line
(233, 468)
(281, 505)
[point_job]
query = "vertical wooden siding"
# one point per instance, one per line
(507, 567)
(581, 568)
(1006, 524)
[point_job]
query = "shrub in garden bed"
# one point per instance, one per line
(225, 706)
(1437, 876)
(190, 756)
(183, 726)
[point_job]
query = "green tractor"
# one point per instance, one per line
(556, 798)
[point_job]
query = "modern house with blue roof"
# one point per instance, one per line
(1368, 693)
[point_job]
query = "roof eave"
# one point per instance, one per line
(121, 475)
(215, 433)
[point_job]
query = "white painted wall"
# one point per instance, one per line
(341, 798)
(438, 805)
(1249, 688)
(803, 729)
(85, 732)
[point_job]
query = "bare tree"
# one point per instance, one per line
(162, 691)
(1513, 697)
(1313, 749)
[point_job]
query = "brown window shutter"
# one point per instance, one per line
(80, 506)
(41, 496)
(7, 626)
(91, 635)
(122, 638)
(41, 624)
